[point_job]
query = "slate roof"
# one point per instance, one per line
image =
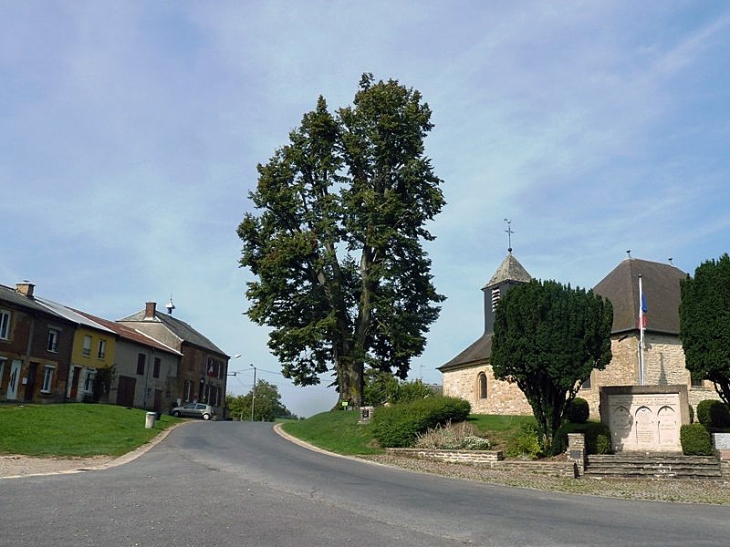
(12, 296)
(179, 328)
(509, 270)
(477, 351)
(660, 283)
(132, 335)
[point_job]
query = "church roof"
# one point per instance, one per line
(509, 270)
(660, 284)
(478, 351)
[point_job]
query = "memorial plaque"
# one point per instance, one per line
(643, 421)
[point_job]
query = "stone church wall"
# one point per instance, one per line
(664, 365)
(502, 397)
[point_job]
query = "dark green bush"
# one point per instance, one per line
(713, 414)
(398, 425)
(578, 411)
(597, 437)
(696, 440)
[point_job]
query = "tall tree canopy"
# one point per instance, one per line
(336, 242)
(547, 339)
(704, 324)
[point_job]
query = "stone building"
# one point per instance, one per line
(469, 375)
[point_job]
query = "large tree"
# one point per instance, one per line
(547, 339)
(336, 240)
(704, 324)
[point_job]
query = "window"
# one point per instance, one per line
(89, 381)
(156, 369)
(87, 345)
(2, 370)
(4, 325)
(495, 297)
(141, 359)
(188, 389)
(47, 379)
(53, 340)
(482, 385)
(102, 349)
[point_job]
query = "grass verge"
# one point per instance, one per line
(335, 431)
(75, 429)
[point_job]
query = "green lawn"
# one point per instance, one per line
(335, 431)
(75, 429)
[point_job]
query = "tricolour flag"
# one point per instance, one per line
(644, 310)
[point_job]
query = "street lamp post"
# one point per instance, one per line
(253, 393)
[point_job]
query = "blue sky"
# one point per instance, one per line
(130, 134)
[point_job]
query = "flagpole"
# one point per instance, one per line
(641, 332)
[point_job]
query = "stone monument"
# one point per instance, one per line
(645, 418)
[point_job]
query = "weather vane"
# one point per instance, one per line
(509, 235)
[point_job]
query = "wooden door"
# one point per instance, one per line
(125, 392)
(30, 385)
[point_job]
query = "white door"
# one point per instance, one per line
(14, 380)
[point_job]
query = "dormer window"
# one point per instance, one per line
(495, 297)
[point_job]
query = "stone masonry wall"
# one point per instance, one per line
(664, 365)
(502, 397)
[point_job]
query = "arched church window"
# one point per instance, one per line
(482, 385)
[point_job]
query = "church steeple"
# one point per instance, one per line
(509, 274)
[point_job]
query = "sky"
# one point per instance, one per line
(130, 133)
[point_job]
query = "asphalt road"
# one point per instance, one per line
(240, 484)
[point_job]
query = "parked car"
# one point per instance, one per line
(194, 410)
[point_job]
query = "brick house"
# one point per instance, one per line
(35, 347)
(202, 373)
(469, 375)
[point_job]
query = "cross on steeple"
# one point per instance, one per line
(509, 235)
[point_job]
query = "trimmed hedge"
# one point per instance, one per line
(696, 440)
(397, 426)
(713, 414)
(578, 411)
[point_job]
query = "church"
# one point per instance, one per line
(469, 374)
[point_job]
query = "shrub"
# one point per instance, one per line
(713, 414)
(597, 438)
(578, 411)
(398, 425)
(525, 444)
(452, 436)
(695, 439)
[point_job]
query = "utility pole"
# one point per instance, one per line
(253, 393)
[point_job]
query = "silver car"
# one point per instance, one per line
(194, 410)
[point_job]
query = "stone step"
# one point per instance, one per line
(677, 471)
(628, 464)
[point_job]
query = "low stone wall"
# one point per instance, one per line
(449, 456)
(490, 458)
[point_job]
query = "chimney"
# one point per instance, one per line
(149, 310)
(25, 288)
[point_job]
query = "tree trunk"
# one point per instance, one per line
(350, 379)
